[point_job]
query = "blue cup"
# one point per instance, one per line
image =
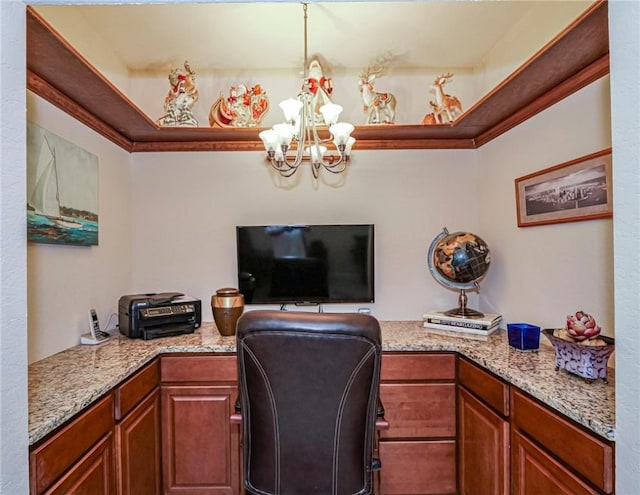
(523, 336)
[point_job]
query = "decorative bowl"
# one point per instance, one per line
(586, 361)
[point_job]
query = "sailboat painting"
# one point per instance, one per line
(62, 190)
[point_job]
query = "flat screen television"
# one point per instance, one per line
(305, 264)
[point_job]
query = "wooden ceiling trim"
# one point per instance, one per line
(43, 89)
(575, 58)
(592, 73)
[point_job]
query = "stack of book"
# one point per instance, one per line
(472, 327)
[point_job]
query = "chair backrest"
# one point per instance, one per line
(308, 396)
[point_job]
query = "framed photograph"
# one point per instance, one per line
(62, 190)
(577, 190)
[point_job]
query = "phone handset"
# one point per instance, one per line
(95, 335)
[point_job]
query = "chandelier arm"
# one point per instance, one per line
(333, 168)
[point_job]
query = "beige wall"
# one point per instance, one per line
(167, 223)
(542, 273)
(186, 206)
(64, 282)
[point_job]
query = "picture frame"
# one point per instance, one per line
(572, 191)
(62, 190)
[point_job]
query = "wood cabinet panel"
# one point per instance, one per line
(51, 458)
(483, 448)
(199, 368)
(534, 472)
(200, 446)
(583, 451)
(133, 390)
(489, 388)
(93, 474)
(418, 467)
(410, 366)
(419, 410)
(138, 449)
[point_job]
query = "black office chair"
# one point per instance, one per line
(308, 398)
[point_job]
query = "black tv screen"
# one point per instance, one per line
(301, 264)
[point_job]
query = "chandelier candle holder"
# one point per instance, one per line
(299, 132)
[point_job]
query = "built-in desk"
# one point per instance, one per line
(448, 400)
(64, 384)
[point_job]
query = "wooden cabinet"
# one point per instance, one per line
(549, 450)
(483, 432)
(200, 446)
(111, 448)
(79, 457)
(453, 428)
(418, 451)
(137, 433)
(535, 471)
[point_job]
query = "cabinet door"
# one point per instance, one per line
(200, 446)
(138, 448)
(483, 443)
(93, 474)
(534, 472)
(67, 449)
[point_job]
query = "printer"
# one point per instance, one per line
(148, 316)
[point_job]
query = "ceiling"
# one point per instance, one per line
(226, 35)
(271, 35)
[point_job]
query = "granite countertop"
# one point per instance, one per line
(62, 385)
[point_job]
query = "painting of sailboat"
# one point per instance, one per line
(62, 190)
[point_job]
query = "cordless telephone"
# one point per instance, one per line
(95, 335)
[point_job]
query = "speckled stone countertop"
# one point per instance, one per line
(62, 385)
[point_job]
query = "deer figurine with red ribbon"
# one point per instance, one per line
(380, 107)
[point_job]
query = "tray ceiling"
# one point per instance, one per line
(575, 58)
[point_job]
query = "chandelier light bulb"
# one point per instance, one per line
(330, 112)
(279, 155)
(316, 151)
(285, 133)
(341, 132)
(269, 139)
(347, 146)
(291, 109)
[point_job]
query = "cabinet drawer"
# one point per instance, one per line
(57, 454)
(418, 467)
(490, 389)
(407, 366)
(136, 388)
(582, 451)
(419, 410)
(194, 368)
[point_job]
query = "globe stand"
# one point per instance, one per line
(462, 311)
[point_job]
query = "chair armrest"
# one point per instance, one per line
(236, 417)
(382, 424)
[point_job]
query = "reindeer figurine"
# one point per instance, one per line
(380, 107)
(445, 105)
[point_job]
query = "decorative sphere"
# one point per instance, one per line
(458, 260)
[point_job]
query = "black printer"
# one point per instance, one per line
(148, 316)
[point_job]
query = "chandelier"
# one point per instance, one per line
(297, 139)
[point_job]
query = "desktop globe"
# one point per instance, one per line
(458, 261)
